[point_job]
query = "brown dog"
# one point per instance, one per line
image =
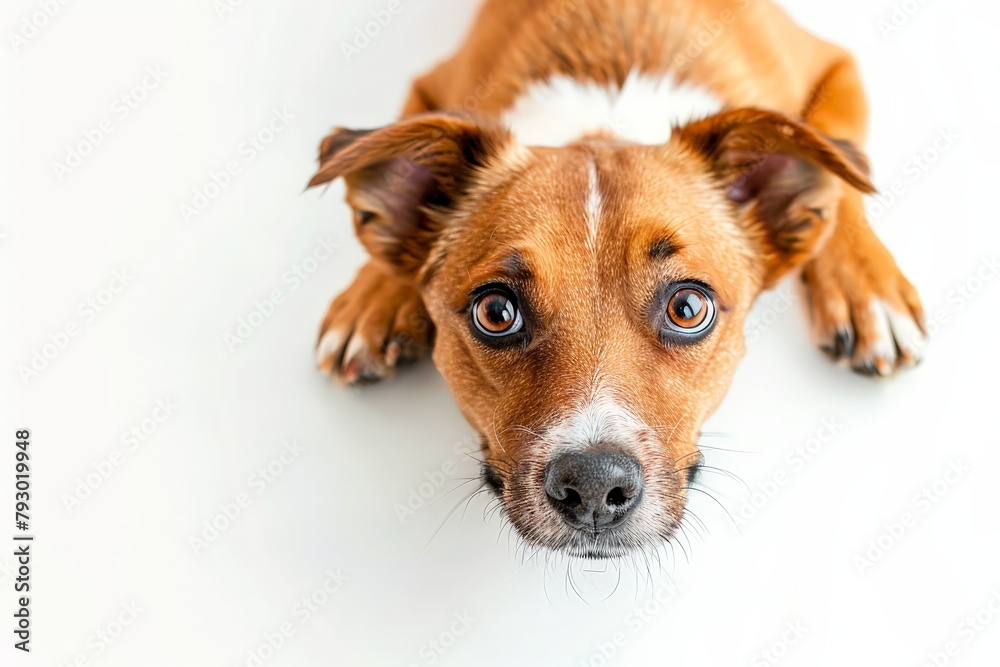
(577, 211)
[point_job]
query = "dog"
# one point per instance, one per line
(575, 213)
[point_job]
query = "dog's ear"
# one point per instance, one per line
(404, 178)
(785, 174)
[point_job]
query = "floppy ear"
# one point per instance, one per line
(786, 175)
(404, 178)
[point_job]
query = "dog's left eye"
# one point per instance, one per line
(495, 314)
(690, 313)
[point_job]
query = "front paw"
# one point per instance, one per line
(376, 323)
(863, 309)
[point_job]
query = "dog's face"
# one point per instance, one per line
(589, 300)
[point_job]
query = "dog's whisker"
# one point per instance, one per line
(448, 516)
(689, 455)
(716, 434)
(468, 502)
(545, 587)
(479, 461)
(572, 584)
(686, 525)
(495, 433)
(680, 545)
(494, 510)
(720, 471)
(694, 517)
(454, 489)
(723, 449)
(717, 501)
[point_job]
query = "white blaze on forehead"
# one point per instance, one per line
(593, 204)
(562, 109)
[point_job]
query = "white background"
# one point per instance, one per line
(795, 560)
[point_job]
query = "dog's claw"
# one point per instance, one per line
(872, 320)
(845, 342)
(842, 345)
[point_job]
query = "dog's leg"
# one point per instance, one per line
(862, 307)
(373, 325)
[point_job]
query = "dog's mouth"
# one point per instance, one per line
(625, 517)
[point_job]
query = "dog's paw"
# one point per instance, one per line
(371, 327)
(862, 308)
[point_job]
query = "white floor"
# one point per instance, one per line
(319, 559)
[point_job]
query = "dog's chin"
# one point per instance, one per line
(613, 552)
(621, 542)
(607, 546)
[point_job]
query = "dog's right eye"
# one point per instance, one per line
(688, 314)
(495, 316)
(495, 313)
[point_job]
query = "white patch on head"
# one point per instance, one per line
(593, 205)
(563, 109)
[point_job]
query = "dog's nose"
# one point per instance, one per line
(594, 490)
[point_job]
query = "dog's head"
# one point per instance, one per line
(589, 300)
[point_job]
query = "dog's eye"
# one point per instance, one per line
(363, 217)
(690, 312)
(688, 309)
(495, 314)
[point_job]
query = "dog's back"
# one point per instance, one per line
(743, 52)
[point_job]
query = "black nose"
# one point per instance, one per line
(594, 490)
